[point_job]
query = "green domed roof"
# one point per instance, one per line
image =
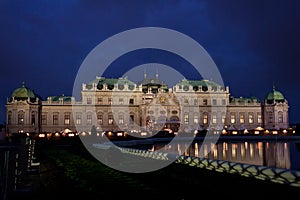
(275, 95)
(23, 92)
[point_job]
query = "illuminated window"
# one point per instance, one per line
(214, 118)
(100, 119)
(33, 118)
(67, 119)
(280, 117)
(232, 118)
(205, 102)
(78, 118)
(196, 119)
(100, 101)
(89, 119)
(110, 119)
(259, 119)
(186, 118)
(250, 118)
(205, 118)
(223, 118)
(21, 117)
(121, 119)
(242, 118)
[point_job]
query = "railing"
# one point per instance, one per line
(282, 176)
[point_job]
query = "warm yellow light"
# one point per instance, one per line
(119, 134)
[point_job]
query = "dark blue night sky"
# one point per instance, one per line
(254, 44)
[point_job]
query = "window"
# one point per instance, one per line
(223, 102)
(121, 101)
(55, 118)
(131, 120)
(89, 100)
(44, 119)
(121, 119)
(280, 117)
(67, 119)
(270, 117)
(89, 119)
(214, 102)
(196, 119)
(186, 101)
(109, 101)
(21, 118)
(131, 101)
(78, 118)
(259, 119)
(205, 118)
(214, 118)
(100, 119)
(205, 102)
(100, 101)
(223, 118)
(110, 119)
(250, 118)
(232, 118)
(242, 118)
(9, 114)
(33, 118)
(195, 102)
(186, 118)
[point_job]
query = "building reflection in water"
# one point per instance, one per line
(271, 154)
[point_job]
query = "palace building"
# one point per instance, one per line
(120, 104)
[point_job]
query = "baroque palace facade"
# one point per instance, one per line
(119, 104)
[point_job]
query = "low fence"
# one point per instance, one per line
(282, 176)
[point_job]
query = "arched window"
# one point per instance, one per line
(100, 118)
(280, 117)
(9, 116)
(21, 119)
(33, 114)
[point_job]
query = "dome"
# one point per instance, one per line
(274, 95)
(23, 93)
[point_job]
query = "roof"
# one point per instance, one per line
(198, 83)
(274, 95)
(251, 99)
(151, 81)
(100, 81)
(23, 92)
(63, 97)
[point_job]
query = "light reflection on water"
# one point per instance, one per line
(284, 154)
